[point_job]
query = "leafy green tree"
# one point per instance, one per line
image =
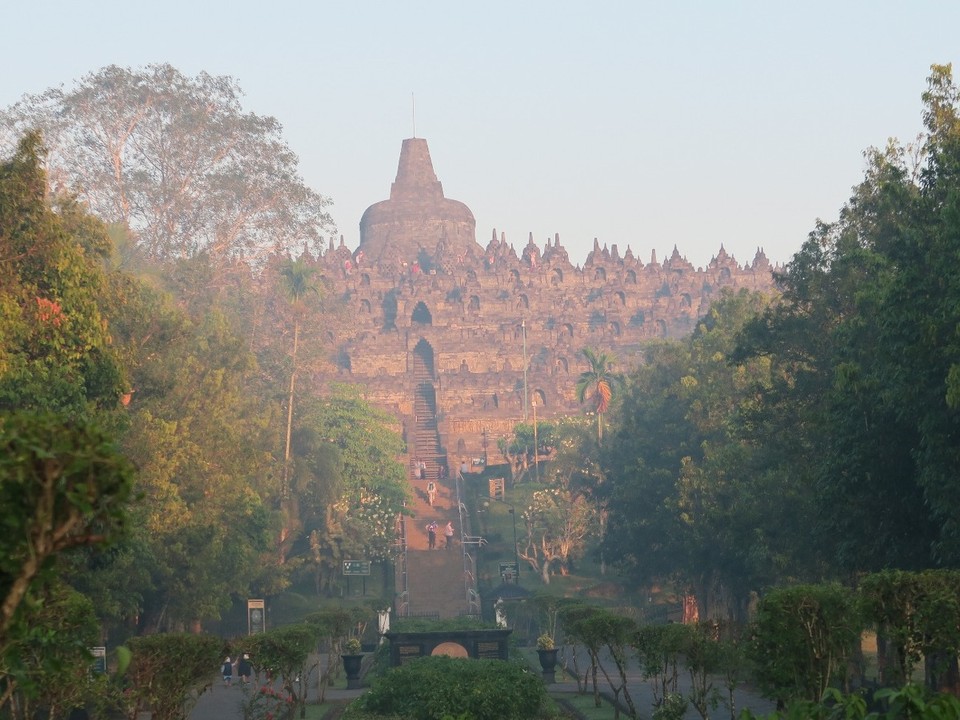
(283, 653)
(299, 283)
(332, 625)
(48, 665)
(204, 447)
(919, 613)
(366, 481)
(803, 637)
(167, 671)
(863, 350)
(558, 521)
(55, 346)
(687, 495)
(63, 485)
(598, 384)
(658, 649)
(598, 629)
(521, 451)
(177, 160)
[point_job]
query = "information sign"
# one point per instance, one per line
(99, 660)
(356, 567)
(509, 568)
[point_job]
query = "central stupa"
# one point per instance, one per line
(417, 221)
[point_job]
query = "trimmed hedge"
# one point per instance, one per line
(433, 688)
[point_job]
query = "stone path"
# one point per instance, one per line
(642, 692)
(224, 703)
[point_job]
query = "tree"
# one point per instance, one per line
(919, 613)
(863, 349)
(299, 283)
(597, 628)
(55, 345)
(364, 481)
(204, 438)
(283, 653)
(63, 486)
(557, 523)
(166, 670)
(803, 637)
(598, 383)
(688, 494)
(59, 627)
(176, 160)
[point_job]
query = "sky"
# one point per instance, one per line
(648, 125)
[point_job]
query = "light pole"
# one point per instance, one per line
(523, 329)
(516, 554)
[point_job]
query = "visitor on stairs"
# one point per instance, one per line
(448, 533)
(432, 535)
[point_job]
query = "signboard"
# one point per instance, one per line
(99, 660)
(496, 488)
(356, 567)
(509, 568)
(256, 623)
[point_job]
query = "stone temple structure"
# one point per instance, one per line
(461, 341)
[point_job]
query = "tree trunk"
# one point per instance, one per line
(285, 509)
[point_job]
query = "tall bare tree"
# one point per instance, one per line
(175, 159)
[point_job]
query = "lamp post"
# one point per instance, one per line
(523, 329)
(516, 554)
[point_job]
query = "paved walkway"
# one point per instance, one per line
(641, 691)
(224, 703)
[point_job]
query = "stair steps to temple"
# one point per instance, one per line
(436, 583)
(434, 578)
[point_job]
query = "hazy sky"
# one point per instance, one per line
(641, 124)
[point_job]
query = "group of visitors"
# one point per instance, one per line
(244, 670)
(433, 528)
(419, 469)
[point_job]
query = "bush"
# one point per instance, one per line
(432, 688)
(803, 637)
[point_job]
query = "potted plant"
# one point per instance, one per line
(547, 652)
(352, 660)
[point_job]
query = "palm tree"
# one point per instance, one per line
(299, 282)
(598, 384)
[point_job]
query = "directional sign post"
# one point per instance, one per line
(356, 567)
(509, 570)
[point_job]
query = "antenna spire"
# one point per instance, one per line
(413, 104)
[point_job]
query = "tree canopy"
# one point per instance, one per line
(177, 160)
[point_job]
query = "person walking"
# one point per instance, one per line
(431, 492)
(448, 533)
(432, 535)
(227, 671)
(244, 669)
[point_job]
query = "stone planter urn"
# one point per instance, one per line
(548, 663)
(351, 666)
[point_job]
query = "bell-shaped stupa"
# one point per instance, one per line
(417, 217)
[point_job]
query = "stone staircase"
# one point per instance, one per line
(434, 579)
